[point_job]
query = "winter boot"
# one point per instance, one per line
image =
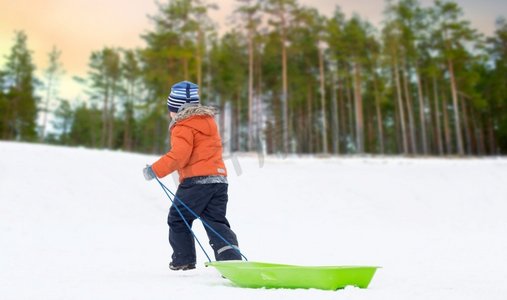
(182, 267)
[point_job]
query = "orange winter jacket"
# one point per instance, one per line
(196, 147)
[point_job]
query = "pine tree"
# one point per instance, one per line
(105, 74)
(338, 58)
(494, 89)
(411, 19)
(131, 73)
(249, 12)
(391, 40)
(356, 36)
(86, 127)
(63, 121)
(3, 104)
(308, 69)
(52, 74)
(230, 73)
(281, 17)
(19, 121)
(452, 33)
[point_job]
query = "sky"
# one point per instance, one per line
(78, 27)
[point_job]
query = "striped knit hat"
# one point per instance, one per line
(182, 93)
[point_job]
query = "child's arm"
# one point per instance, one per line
(182, 142)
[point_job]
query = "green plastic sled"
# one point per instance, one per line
(266, 275)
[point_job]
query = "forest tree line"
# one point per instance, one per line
(285, 78)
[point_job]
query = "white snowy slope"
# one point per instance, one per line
(84, 224)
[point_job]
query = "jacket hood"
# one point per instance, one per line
(197, 117)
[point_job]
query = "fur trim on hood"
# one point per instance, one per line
(188, 111)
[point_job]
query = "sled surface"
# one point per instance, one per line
(267, 275)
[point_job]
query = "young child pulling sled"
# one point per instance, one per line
(196, 153)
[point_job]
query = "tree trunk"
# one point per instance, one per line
(198, 56)
(350, 107)
(342, 119)
(422, 116)
(408, 98)
(285, 106)
(110, 129)
(127, 136)
(310, 125)
(46, 108)
(400, 106)
(302, 141)
(447, 131)
(127, 142)
(454, 91)
(438, 126)
(222, 121)
(369, 129)
(359, 109)
(480, 149)
(466, 127)
(380, 130)
(491, 137)
(251, 134)
(105, 113)
(335, 113)
(397, 127)
(259, 125)
(292, 149)
(323, 102)
(238, 123)
(430, 121)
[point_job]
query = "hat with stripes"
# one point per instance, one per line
(182, 93)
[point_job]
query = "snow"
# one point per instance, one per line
(84, 224)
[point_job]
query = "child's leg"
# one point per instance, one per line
(214, 214)
(180, 238)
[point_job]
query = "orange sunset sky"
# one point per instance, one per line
(78, 27)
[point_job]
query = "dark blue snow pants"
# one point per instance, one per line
(209, 201)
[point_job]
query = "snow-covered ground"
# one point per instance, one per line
(84, 224)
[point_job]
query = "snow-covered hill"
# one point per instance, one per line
(84, 224)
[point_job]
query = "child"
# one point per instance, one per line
(196, 153)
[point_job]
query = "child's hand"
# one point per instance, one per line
(148, 173)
